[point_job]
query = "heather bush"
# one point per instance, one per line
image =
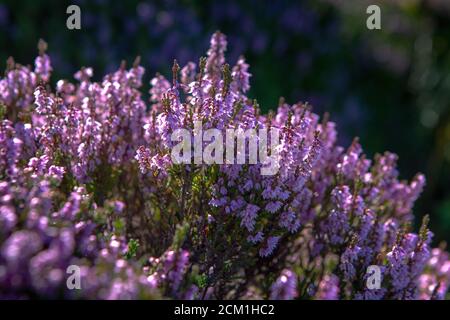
(87, 179)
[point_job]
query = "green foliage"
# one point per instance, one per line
(133, 246)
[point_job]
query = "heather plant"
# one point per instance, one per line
(88, 179)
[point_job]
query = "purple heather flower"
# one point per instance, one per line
(249, 215)
(20, 246)
(273, 207)
(188, 74)
(241, 76)
(43, 67)
(398, 270)
(269, 246)
(216, 55)
(71, 193)
(348, 262)
(285, 287)
(328, 288)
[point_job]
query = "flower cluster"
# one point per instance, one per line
(87, 180)
(42, 235)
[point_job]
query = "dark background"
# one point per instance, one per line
(390, 87)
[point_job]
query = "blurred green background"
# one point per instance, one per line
(390, 87)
